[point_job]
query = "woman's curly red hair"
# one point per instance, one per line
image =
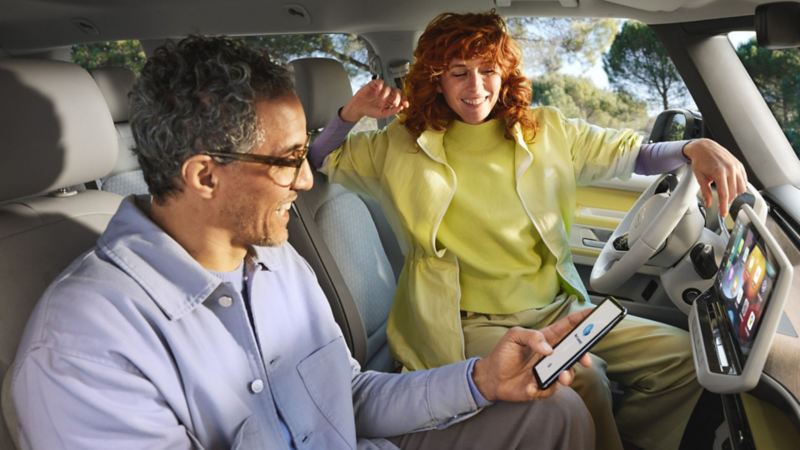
(465, 36)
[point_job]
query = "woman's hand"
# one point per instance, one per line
(375, 99)
(711, 162)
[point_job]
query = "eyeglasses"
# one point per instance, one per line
(284, 171)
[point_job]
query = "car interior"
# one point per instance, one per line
(65, 144)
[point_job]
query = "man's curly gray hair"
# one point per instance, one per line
(199, 95)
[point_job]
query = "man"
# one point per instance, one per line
(194, 324)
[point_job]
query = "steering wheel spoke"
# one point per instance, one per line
(647, 225)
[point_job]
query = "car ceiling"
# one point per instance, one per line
(31, 25)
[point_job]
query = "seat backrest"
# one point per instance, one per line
(55, 132)
(346, 238)
(115, 84)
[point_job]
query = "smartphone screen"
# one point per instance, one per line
(602, 319)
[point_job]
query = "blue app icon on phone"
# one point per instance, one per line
(588, 329)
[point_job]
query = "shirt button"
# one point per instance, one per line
(225, 301)
(256, 386)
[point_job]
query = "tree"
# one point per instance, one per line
(114, 53)
(579, 97)
(637, 63)
(347, 48)
(776, 73)
(547, 43)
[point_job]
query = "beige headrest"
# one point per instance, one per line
(55, 128)
(115, 83)
(323, 87)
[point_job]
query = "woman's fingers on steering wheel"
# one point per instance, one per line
(711, 162)
(705, 189)
(730, 186)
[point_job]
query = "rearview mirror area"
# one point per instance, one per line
(778, 25)
(676, 125)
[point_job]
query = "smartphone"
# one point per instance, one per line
(601, 320)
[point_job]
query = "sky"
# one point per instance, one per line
(598, 75)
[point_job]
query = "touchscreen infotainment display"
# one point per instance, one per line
(733, 323)
(744, 283)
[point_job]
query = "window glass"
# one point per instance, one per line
(610, 72)
(350, 49)
(110, 54)
(776, 74)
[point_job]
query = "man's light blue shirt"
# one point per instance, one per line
(136, 345)
(241, 280)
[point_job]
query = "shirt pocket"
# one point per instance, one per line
(327, 376)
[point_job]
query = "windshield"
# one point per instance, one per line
(776, 73)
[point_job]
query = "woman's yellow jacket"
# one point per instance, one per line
(414, 184)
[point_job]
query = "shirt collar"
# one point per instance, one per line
(432, 143)
(266, 258)
(175, 281)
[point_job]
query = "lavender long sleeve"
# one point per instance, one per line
(660, 157)
(331, 137)
(654, 158)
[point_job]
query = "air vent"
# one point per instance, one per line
(298, 12)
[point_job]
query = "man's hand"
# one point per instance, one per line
(711, 162)
(506, 373)
(375, 99)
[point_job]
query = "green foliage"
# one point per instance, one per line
(579, 97)
(638, 64)
(675, 129)
(347, 48)
(776, 73)
(548, 42)
(115, 53)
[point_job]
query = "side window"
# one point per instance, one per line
(351, 50)
(610, 72)
(112, 53)
(774, 72)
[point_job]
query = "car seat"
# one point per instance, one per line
(55, 132)
(346, 238)
(126, 178)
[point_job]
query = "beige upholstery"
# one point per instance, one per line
(323, 87)
(126, 178)
(351, 245)
(55, 131)
(115, 83)
(54, 127)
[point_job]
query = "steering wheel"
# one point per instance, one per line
(644, 229)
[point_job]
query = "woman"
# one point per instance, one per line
(480, 189)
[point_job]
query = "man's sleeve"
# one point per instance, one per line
(388, 404)
(77, 401)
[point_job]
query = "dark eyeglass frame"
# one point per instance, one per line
(269, 160)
